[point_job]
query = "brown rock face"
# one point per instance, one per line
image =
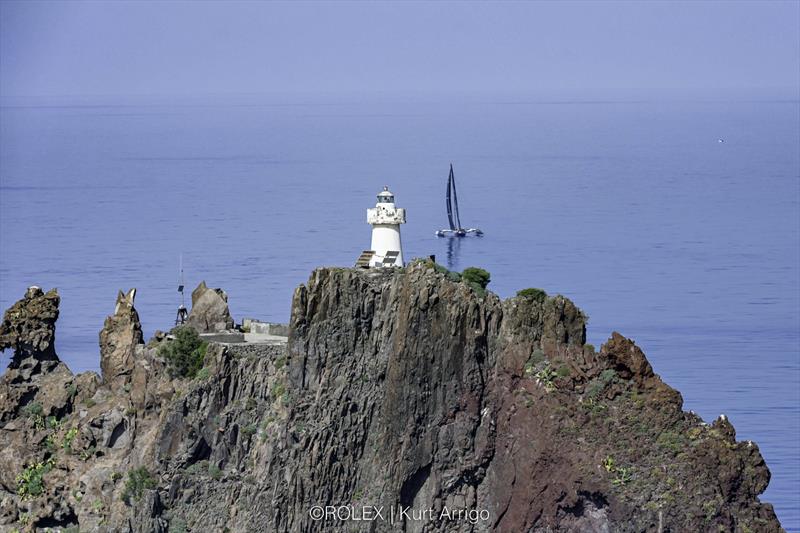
(210, 311)
(399, 389)
(119, 339)
(628, 360)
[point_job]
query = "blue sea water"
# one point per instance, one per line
(629, 206)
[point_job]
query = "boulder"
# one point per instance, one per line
(119, 339)
(210, 311)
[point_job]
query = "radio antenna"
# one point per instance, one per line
(182, 315)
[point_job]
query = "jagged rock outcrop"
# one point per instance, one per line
(29, 327)
(209, 313)
(28, 331)
(399, 389)
(119, 339)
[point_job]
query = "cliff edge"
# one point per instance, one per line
(404, 400)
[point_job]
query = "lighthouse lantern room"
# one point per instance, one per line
(385, 219)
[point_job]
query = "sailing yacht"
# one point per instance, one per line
(453, 218)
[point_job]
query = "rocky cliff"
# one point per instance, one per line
(404, 400)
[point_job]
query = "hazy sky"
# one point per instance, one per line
(77, 48)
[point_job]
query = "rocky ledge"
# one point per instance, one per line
(403, 397)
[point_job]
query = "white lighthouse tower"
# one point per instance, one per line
(386, 219)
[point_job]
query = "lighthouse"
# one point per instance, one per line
(385, 219)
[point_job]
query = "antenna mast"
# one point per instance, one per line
(182, 315)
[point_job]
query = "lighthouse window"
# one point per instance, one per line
(386, 199)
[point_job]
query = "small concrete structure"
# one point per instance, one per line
(237, 337)
(254, 332)
(251, 325)
(264, 338)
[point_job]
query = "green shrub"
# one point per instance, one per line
(35, 412)
(200, 467)
(537, 357)
(606, 378)
(623, 476)
(531, 293)
(68, 438)
(139, 480)
(177, 525)
(184, 354)
(478, 276)
(545, 378)
(672, 441)
(278, 390)
(529, 368)
(563, 371)
(440, 269)
(214, 471)
(453, 276)
(88, 453)
(30, 482)
(53, 423)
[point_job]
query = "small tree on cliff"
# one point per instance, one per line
(477, 278)
(184, 354)
(533, 294)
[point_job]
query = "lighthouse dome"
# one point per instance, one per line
(385, 196)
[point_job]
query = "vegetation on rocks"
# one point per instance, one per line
(476, 277)
(185, 353)
(30, 482)
(139, 480)
(606, 378)
(545, 378)
(35, 413)
(532, 293)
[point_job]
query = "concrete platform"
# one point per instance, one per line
(237, 337)
(223, 337)
(264, 338)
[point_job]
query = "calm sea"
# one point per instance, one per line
(632, 207)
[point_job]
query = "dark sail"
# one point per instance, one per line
(449, 203)
(455, 200)
(453, 216)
